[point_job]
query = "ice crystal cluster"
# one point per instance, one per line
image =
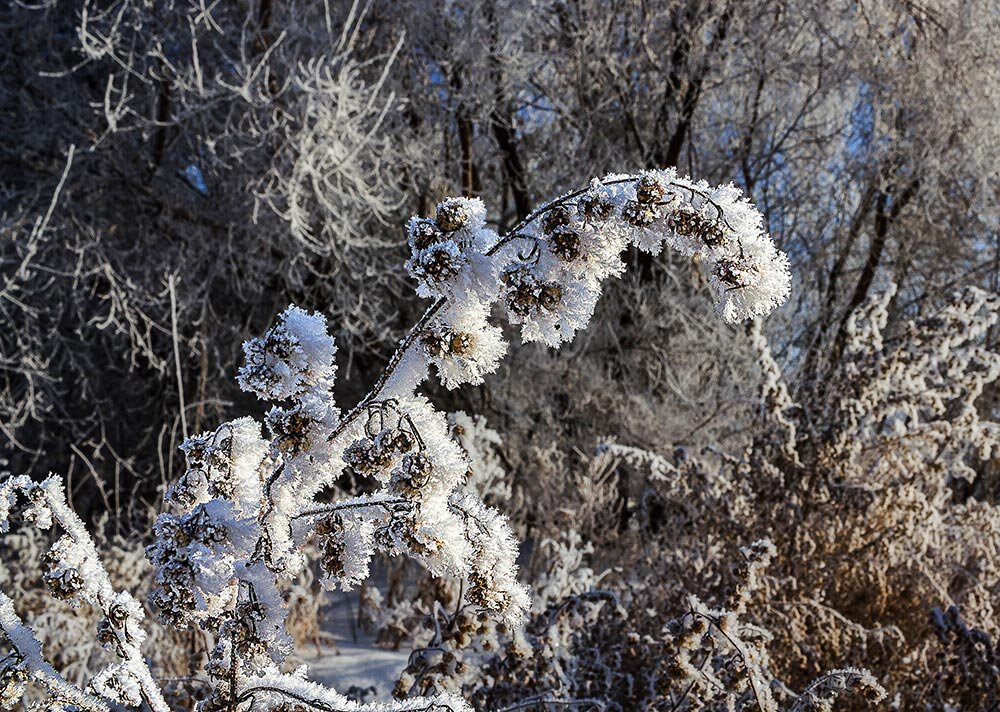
(237, 522)
(551, 267)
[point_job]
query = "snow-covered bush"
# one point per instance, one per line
(600, 649)
(878, 494)
(237, 522)
(605, 640)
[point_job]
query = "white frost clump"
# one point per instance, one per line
(548, 271)
(294, 358)
(76, 574)
(463, 345)
(447, 251)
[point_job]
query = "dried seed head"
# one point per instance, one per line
(439, 266)
(461, 344)
(550, 296)
(412, 475)
(639, 214)
(106, 635)
(444, 343)
(435, 343)
(332, 557)
(729, 273)
(872, 694)
(676, 670)
(424, 233)
(418, 542)
(403, 441)
(522, 297)
(64, 584)
(596, 207)
(118, 616)
(649, 189)
(565, 243)
(482, 594)
(452, 215)
(688, 222)
(14, 677)
(555, 218)
(334, 524)
(291, 429)
(185, 491)
(367, 458)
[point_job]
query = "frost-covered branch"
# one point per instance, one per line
(547, 274)
(26, 662)
(76, 574)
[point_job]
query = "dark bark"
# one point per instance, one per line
(502, 125)
(667, 154)
(470, 176)
(887, 210)
(513, 166)
(825, 319)
(162, 118)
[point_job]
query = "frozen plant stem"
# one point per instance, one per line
(171, 286)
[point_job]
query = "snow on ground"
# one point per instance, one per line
(361, 665)
(350, 658)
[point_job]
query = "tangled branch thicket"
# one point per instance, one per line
(683, 512)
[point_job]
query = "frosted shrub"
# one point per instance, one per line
(238, 520)
(603, 640)
(877, 492)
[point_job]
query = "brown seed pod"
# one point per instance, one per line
(596, 207)
(565, 243)
(439, 266)
(461, 343)
(551, 295)
(419, 546)
(291, 430)
(106, 633)
(730, 273)
(649, 189)
(402, 441)
(688, 222)
(366, 458)
(64, 584)
(555, 218)
(425, 233)
(412, 475)
(451, 216)
(522, 300)
(332, 557)
(676, 671)
(639, 214)
(435, 343)
(872, 694)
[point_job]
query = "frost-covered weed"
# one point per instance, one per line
(238, 520)
(605, 640)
